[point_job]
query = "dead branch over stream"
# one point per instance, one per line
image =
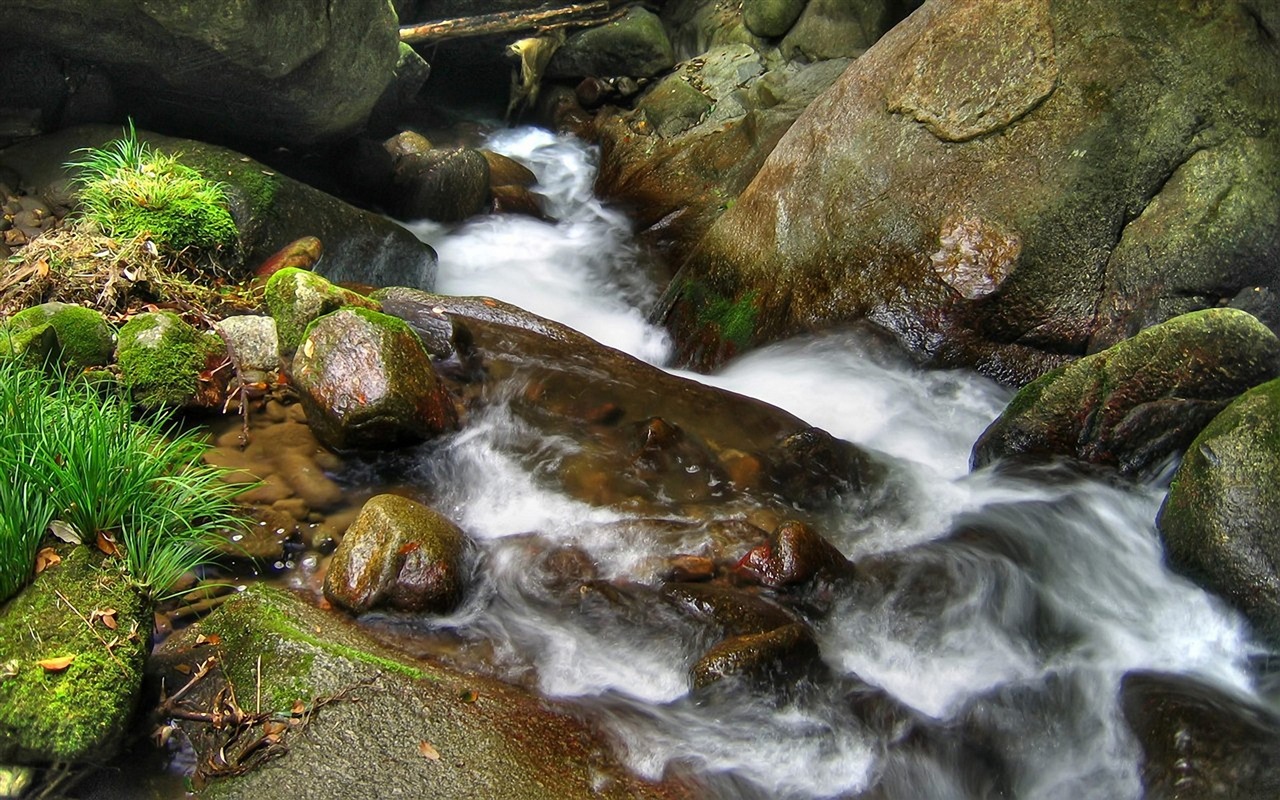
(543, 18)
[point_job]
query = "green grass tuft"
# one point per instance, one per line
(139, 482)
(129, 189)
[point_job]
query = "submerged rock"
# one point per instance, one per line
(1221, 519)
(794, 554)
(448, 734)
(398, 553)
(1139, 403)
(983, 195)
(774, 659)
(366, 382)
(1199, 742)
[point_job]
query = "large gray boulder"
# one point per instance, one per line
(286, 72)
(1009, 184)
(1137, 404)
(1221, 520)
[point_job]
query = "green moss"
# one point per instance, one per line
(34, 346)
(735, 319)
(129, 190)
(161, 358)
(297, 297)
(85, 339)
(79, 713)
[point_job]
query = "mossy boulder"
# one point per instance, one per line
(398, 553)
(1009, 185)
(449, 735)
(270, 210)
(77, 713)
(1221, 520)
(366, 382)
(297, 297)
(771, 18)
(161, 357)
(84, 337)
(35, 346)
(1137, 404)
(634, 45)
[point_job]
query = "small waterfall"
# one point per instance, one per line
(985, 661)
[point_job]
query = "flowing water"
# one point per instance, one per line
(1013, 602)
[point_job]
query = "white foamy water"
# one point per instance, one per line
(1019, 630)
(582, 269)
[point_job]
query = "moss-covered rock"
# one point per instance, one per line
(635, 45)
(1135, 405)
(77, 713)
(771, 18)
(269, 210)
(35, 346)
(398, 553)
(366, 381)
(449, 735)
(296, 298)
(161, 358)
(1221, 520)
(84, 337)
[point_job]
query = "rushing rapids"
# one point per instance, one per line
(979, 652)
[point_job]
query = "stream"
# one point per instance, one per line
(987, 663)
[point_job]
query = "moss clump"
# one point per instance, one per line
(79, 713)
(297, 297)
(85, 338)
(736, 319)
(130, 189)
(161, 358)
(32, 347)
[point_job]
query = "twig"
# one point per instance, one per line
(200, 672)
(89, 625)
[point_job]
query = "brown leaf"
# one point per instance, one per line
(185, 669)
(110, 620)
(47, 557)
(106, 544)
(299, 708)
(56, 664)
(212, 638)
(427, 751)
(274, 728)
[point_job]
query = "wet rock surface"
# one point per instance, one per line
(1220, 519)
(1198, 741)
(366, 382)
(398, 553)
(1138, 404)
(985, 199)
(461, 735)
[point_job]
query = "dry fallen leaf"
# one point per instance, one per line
(56, 664)
(106, 544)
(185, 669)
(427, 751)
(212, 638)
(64, 531)
(299, 708)
(47, 557)
(109, 619)
(274, 728)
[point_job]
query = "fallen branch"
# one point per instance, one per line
(541, 18)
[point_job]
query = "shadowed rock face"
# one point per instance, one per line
(1137, 404)
(1200, 742)
(1008, 185)
(279, 71)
